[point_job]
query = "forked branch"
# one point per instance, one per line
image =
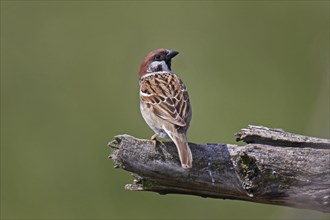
(274, 167)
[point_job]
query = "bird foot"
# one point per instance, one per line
(154, 140)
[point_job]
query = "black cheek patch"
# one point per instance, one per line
(159, 67)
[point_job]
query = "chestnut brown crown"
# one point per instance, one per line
(157, 61)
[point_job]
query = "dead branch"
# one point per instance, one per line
(275, 167)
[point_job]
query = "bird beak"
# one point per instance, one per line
(171, 54)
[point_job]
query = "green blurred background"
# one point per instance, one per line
(69, 83)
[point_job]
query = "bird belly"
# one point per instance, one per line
(153, 121)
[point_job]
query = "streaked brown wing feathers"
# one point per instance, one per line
(167, 96)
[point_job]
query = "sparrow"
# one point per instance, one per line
(164, 102)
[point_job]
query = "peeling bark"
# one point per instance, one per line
(275, 167)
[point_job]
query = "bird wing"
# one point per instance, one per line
(167, 96)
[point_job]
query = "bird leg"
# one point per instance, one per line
(154, 140)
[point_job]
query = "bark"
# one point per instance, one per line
(274, 167)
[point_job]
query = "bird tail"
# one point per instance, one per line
(185, 155)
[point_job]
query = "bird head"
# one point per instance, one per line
(157, 61)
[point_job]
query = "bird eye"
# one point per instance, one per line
(158, 57)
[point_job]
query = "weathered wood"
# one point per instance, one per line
(267, 170)
(278, 137)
